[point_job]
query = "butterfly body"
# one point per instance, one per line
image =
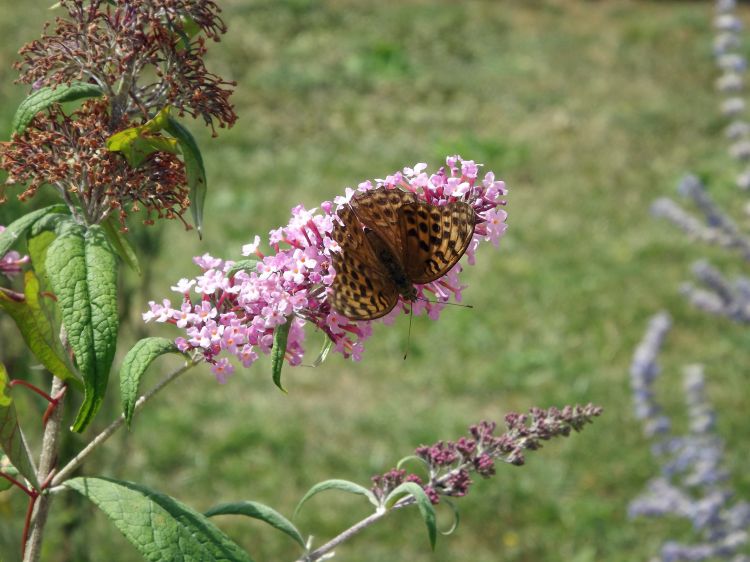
(391, 240)
(392, 265)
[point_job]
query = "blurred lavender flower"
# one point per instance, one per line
(714, 293)
(691, 484)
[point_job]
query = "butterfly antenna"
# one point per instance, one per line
(448, 303)
(408, 334)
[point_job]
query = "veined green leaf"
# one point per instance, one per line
(12, 440)
(137, 360)
(18, 228)
(82, 269)
(335, 484)
(257, 510)
(158, 526)
(194, 170)
(46, 96)
(37, 330)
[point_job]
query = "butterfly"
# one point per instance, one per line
(405, 241)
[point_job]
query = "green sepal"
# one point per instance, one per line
(194, 170)
(138, 143)
(18, 227)
(37, 329)
(46, 96)
(243, 265)
(137, 360)
(423, 502)
(280, 337)
(257, 510)
(82, 269)
(336, 484)
(12, 440)
(158, 526)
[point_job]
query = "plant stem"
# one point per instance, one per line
(76, 461)
(47, 460)
(30, 386)
(319, 552)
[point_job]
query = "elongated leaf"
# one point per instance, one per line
(49, 222)
(82, 269)
(38, 242)
(280, 337)
(423, 503)
(37, 330)
(243, 265)
(44, 97)
(12, 440)
(138, 359)
(335, 484)
(158, 526)
(121, 245)
(17, 228)
(260, 511)
(194, 170)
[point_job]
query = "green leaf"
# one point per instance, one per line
(121, 245)
(260, 511)
(426, 508)
(49, 222)
(17, 228)
(138, 143)
(335, 484)
(194, 170)
(44, 97)
(12, 440)
(280, 337)
(37, 330)
(158, 526)
(243, 265)
(138, 359)
(82, 269)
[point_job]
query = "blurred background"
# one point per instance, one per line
(589, 111)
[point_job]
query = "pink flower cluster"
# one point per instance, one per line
(11, 263)
(238, 313)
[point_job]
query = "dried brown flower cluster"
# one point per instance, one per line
(143, 54)
(68, 152)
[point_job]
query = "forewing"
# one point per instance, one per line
(435, 238)
(379, 209)
(362, 289)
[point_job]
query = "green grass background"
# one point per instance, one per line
(589, 111)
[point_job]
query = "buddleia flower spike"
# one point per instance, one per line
(372, 253)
